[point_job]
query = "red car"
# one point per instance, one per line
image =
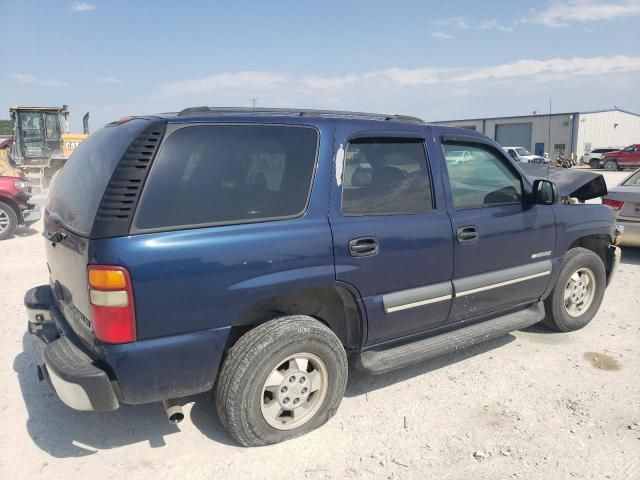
(628, 157)
(15, 208)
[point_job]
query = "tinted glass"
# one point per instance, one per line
(229, 174)
(482, 181)
(77, 191)
(386, 177)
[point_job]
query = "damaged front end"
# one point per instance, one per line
(573, 185)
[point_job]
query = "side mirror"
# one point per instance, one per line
(544, 192)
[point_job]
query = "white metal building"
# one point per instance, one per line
(572, 134)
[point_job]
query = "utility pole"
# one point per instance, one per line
(253, 100)
(549, 136)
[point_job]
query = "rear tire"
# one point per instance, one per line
(611, 165)
(8, 221)
(578, 292)
(281, 380)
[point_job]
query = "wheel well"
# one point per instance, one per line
(597, 244)
(12, 203)
(334, 306)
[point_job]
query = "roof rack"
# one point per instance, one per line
(299, 112)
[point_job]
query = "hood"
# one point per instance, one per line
(581, 184)
(609, 154)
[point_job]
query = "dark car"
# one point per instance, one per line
(252, 252)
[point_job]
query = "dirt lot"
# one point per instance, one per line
(533, 404)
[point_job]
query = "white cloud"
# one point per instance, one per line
(321, 83)
(80, 7)
(466, 24)
(408, 76)
(428, 92)
(238, 81)
(29, 79)
(110, 80)
(442, 35)
(562, 13)
(394, 79)
(553, 68)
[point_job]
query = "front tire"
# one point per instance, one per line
(8, 221)
(281, 380)
(578, 292)
(595, 164)
(611, 166)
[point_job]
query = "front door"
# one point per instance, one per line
(503, 245)
(392, 236)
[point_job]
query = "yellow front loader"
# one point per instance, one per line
(42, 141)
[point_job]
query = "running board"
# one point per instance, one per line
(382, 361)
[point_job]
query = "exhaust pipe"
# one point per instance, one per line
(173, 410)
(85, 123)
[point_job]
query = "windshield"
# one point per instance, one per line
(31, 124)
(523, 152)
(633, 180)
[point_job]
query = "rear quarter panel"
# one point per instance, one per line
(204, 278)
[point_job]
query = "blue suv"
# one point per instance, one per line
(252, 252)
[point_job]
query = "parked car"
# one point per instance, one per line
(593, 158)
(252, 252)
(520, 154)
(628, 157)
(459, 156)
(625, 200)
(15, 208)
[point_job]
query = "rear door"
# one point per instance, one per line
(391, 232)
(503, 246)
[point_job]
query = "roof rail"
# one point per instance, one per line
(300, 112)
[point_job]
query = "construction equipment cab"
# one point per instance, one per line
(42, 141)
(253, 252)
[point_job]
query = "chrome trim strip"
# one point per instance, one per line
(415, 297)
(417, 304)
(502, 284)
(541, 254)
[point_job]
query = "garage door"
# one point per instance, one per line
(514, 135)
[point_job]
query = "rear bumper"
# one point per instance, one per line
(31, 215)
(140, 372)
(631, 234)
(70, 372)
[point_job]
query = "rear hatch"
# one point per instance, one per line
(69, 218)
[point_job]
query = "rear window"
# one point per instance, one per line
(78, 189)
(220, 174)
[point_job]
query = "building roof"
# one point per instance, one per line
(504, 117)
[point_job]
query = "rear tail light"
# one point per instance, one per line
(112, 309)
(615, 204)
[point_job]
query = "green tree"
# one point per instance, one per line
(6, 127)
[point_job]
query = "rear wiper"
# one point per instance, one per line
(55, 237)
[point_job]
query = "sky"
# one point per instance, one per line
(432, 59)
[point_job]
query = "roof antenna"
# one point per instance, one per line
(253, 100)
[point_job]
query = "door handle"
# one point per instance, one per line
(468, 234)
(363, 247)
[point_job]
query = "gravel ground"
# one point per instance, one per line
(533, 404)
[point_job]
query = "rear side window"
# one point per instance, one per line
(78, 188)
(218, 174)
(386, 176)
